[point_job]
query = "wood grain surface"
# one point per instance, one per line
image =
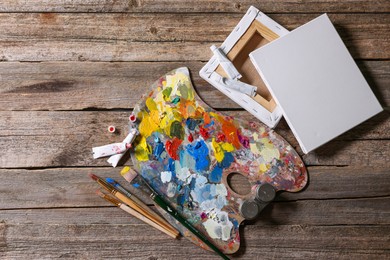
(70, 68)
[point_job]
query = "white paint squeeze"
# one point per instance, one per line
(166, 176)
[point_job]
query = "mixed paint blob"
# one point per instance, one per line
(185, 150)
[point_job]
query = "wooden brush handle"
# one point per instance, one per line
(146, 220)
(146, 213)
(155, 214)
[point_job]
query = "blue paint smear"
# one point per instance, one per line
(184, 196)
(158, 149)
(136, 185)
(204, 193)
(192, 183)
(200, 152)
(170, 166)
(227, 160)
(216, 175)
(210, 124)
(192, 123)
(186, 160)
(235, 222)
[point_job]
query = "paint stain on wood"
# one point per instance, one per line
(44, 87)
(48, 18)
(153, 30)
(133, 4)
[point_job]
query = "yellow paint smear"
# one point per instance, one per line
(125, 170)
(149, 124)
(269, 152)
(218, 152)
(150, 104)
(228, 147)
(142, 150)
(254, 149)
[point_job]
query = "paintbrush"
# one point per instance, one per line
(132, 204)
(159, 200)
(135, 199)
(133, 212)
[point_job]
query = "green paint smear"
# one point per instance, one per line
(166, 93)
(186, 92)
(176, 100)
(177, 130)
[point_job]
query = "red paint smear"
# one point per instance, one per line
(172, 147)
(190, 138)
(231, 244)
(203, 132)
(221, 137)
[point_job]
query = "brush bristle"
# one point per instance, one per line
(99, 193)
(93, 176)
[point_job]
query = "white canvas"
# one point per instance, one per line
(316, 83)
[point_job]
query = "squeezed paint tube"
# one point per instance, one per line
(109, 149)
(240, 86)
(114, 159)
(226, 64)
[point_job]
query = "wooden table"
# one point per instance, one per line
(71, 68)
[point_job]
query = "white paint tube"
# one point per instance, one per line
(240, 86)
(115, 150)
(226, 64)
(114, 159)
(109, 149)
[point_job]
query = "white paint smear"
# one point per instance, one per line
(220, 229)
(166, 176)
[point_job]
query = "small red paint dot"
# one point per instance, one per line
(132, 118)
(111, 129)
(190, 138)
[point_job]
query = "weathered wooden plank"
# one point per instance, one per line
(71, 187)
(65, 138)
(278, 6)
(161, 37)
(318, 213)
(118, 85)
(370, 152)
(101, 234)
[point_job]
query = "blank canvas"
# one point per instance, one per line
(316, 82)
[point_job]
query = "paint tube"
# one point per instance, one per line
(109, 149)
(240, 86)
(226, 64)
(114, 159)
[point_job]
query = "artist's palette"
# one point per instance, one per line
(186, 150)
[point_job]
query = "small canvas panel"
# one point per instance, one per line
(316, 82)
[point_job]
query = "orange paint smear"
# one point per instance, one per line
(230, 131)
(187, 108)
(206, 118)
